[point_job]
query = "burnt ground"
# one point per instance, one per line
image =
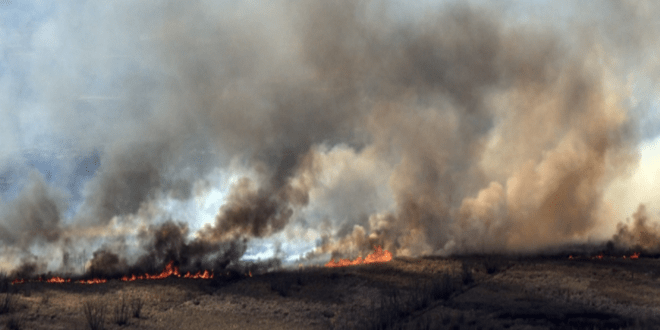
(420, 293)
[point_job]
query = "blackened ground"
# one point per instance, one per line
(421, 293)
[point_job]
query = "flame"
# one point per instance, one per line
(600, 256)
(170, 270)
(57, 279)
(93, 281)
(205, 275)
(379, 255)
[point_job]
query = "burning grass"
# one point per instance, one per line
(378, 256)
(170, 270)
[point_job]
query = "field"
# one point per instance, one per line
(420, 293)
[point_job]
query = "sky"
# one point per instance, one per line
(88, 90)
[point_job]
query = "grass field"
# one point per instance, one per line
(406, 293)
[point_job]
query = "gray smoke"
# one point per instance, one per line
(456, 132)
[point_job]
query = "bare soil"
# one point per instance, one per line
(504, 293)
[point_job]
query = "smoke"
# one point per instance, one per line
(459, 131)
(34, 216)
(641, 234)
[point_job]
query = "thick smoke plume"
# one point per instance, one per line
(459, 131)
(641, 234)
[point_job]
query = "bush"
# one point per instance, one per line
(420, 297)
(136, 306)
(301, 279)
(8, 303)
(95, 314)
(385, 315)
(5, 282)
(395, 307)
(491, 265)
(121, 312)
(281, 284)
(15, 322)
(466, 274)
(442, 287)
(45, 299)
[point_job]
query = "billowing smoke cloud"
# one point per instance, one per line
(504, 139)
(641, 234)
(456, 132)
(34, 216)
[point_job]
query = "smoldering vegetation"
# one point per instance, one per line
(454, 133)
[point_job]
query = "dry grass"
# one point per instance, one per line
(281, 282)
(121, 312)
(94, 311)
(404, 294)
(8, 303)
(396, 306)
(5, 282)
(16, 322)
(136, 307)
(492, 265)
(45, 299)
(466, 274)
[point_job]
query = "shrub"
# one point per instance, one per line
(95, 314)
(8, 303)
(420, 297)
(300, 277)
(386, 314)
(442, 287)
(396, 306)
(45, 299)
(15, 322)
(466, 274)
(281, 284)
(4, 282)
(136, 306)
(121, 312)
(491, 265)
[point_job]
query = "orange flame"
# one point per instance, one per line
(58, 280)
(199, 274)
(170, 270)
(379, 255)
(93, 281)
(600, 256)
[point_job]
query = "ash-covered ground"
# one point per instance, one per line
(471, 292)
